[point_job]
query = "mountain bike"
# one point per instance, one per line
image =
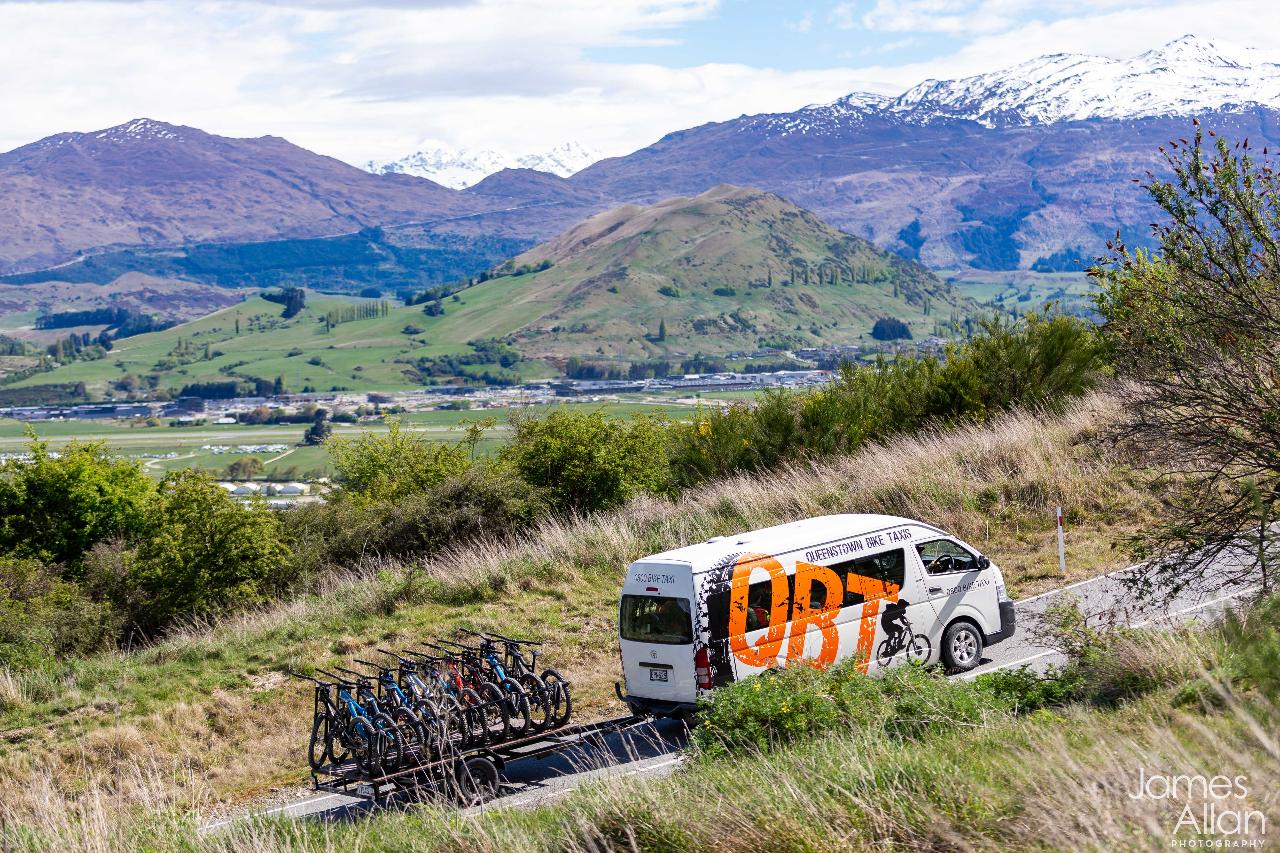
(417, 720)
(362, 705)
(342, 728)
(485, 715)
(546, 698)
(432, 692)
(494, 714)
(486, 669)
(559, 691)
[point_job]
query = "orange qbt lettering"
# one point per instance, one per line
(765, 652)
(823, 618)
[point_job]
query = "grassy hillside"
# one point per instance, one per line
(731, 269)
(369, 354)
(206, 717)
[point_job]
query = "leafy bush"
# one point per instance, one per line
(55, 507)
(786, 705)
(44, 617)
(375, 467)
(1036, 362)
(203, 551)
(484, 500)
(585, 461)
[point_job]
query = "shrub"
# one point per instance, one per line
(375, 468)
(482, 501)
(55, 508)
(782, 706)
(203, 551)
(1036, 362)
(43, 618)
(585, 461)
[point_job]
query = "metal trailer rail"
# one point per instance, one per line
(472, 773)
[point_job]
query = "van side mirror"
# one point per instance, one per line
(984, 562)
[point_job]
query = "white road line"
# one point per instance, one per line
(1142, 624)
(1228, 597)
(287, 806)
(1078, 583)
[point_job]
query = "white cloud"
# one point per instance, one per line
(373, 80)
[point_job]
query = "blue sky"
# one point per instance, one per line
(376, 80)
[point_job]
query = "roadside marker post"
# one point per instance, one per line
(1062, 545)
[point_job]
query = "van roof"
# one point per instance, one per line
(782, 538)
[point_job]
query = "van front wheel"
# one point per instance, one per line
(961, 647)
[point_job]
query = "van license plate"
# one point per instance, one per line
(657, 675)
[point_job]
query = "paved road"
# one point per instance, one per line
(652, 748)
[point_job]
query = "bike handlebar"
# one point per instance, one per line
(338, 679)
(504, 639)
(308, 677)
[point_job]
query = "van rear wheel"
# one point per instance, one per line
(961, 647)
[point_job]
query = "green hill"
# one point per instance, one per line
(731, 269)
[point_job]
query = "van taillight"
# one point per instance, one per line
(702, 667)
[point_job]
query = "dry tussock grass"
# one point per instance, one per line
(994, 485)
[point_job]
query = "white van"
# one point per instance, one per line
(877, 588)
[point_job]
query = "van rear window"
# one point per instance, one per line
(656, 619)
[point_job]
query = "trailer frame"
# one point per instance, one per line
(471, 774)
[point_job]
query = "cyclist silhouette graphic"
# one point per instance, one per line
(898, 637)
(894, 620)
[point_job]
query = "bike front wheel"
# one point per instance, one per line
(560, 695)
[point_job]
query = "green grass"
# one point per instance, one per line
(1022, 290)
(358, 354)
(206, 715)
(149, 442)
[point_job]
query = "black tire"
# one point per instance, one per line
(519, 713)
(885, 651)
(560, 694)
(454, 725)
(417, 741)
(393, 756)
(473, 710)
(497, 718)
(318, 748)
(962, 646)
(919, 649)
(366, 745)
(540, 717)
(477, 781)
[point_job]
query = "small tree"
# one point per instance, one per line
(1196, 328)
(587, 461)
(203, 550)
(55, 507)
(320, 429)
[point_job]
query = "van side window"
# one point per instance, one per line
(942, 556)
(760, 602)
(888, 567)
(759, 607)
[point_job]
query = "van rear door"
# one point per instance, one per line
(656, 632)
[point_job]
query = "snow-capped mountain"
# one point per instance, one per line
(1186, 76)
(461, 168)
